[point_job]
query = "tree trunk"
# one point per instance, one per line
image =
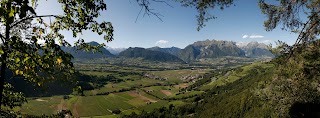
(3, 75)
(4, 58)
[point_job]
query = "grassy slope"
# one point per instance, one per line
(233, 75)
(238, 99)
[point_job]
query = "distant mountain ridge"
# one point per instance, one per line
(115, 51)
(173, 50)
(151, 55)
(256, 50)
(193, 52)
(210, 49)
(80, 54)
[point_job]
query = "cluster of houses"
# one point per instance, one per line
(151, 76)
(190, 77)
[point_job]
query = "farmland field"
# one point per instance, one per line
(124, 89)
(109, 88)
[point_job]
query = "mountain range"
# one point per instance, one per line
(256, 50)
(210, 49)
(173, 50)
(115, 51)
(193, 52)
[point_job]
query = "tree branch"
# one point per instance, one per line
(161, 1)
(144, 4)
(32, 17)
(2, 38)
(303, 33)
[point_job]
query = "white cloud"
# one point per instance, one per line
(255, 36)
(245, 36)
(162, 42)
(252, 36)
(265, 41)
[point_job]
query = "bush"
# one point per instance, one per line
(116, 111)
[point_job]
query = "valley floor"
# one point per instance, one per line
(135, 90)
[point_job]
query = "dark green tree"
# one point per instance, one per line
(22, 29)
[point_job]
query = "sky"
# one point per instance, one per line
(240, 23)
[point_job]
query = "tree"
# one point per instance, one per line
(21, 29)
(288, 13)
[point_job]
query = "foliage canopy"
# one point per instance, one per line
(22, 30)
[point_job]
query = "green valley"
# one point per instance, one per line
(107, 59)
(130, 89)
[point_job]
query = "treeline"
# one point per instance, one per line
(61, 87)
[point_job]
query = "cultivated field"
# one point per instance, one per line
(128, 91)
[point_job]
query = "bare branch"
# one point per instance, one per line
(161, 1)
(303, 34)
(32, 17)
(145, 5)
(138, 14)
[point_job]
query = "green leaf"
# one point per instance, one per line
(17, 60)
(26, 59)
(11, 14)
(1, 51)
(17, 72)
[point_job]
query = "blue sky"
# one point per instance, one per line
(240, 23)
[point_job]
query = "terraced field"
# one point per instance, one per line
(100, 105)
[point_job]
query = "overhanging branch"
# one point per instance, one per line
(145, 5)
(32, 17)
(304, 33)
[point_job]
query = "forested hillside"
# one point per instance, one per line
(171, 50)
(149, 55)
